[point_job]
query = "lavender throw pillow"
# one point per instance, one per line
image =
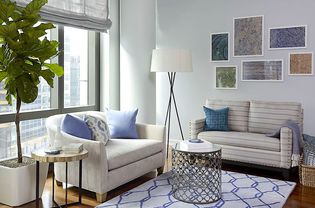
(76, 126)
(122, 124)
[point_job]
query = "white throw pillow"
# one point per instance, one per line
(98, 127)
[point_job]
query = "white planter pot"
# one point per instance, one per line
(18, 185)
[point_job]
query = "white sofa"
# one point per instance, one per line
(249, 122)
(116, 163)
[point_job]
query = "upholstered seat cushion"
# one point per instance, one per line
(242, 139)
(121, 152)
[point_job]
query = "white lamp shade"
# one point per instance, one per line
(171, 60)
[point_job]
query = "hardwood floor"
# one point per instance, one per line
(302, 196)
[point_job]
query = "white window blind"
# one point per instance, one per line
(88, 14)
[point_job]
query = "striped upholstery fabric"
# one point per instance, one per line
(253, 156)
(238, 112)
(266, 117)
(241, 139)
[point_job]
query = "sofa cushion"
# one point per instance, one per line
(121, 152)
(216, 120)
(238, 112)
(122, 124)
(267, 117)
(76, 126)
(241, 139)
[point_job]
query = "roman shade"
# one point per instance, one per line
(87, 14)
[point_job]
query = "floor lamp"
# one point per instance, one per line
(171, 61)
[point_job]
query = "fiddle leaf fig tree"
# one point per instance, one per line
(24, 55)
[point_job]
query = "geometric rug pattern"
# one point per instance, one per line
(238, 191)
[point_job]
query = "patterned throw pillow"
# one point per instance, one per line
(216, 120)
(98, 127)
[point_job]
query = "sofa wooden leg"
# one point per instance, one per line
(58, 183)
(160, 170)
(101, 197)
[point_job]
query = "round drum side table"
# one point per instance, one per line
(196, 175)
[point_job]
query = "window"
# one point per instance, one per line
(76, 67)
(33, 133)
(76, 91)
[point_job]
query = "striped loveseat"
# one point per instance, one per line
(249, 122)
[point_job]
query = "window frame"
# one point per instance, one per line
(57, 93)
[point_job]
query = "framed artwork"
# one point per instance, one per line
(226, 77)
(291, 37)
(262, 70)
(219, 50)
(248, 36)
(301, 63)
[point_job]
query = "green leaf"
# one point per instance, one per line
(8, 97)
(34, 7)
(48, 76)
(6, 9)
(55, 68)
(44, 26)
(26, 89)
(15, 45)
(3, 75)
(15, 69)
(9, 31)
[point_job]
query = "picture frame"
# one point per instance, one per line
(262, 70)
(301, 64)
(251, 44)
(226, 77)
(220, 45)
(279, 38)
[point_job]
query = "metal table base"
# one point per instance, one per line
(55, 204)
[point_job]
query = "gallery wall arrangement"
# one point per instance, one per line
(248, 41)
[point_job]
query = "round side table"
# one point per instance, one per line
(196, 175)
(41, 156)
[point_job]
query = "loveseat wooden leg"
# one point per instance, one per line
(101, 197)
(160, 170)
(58, 183)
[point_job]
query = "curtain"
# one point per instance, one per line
(88, 14)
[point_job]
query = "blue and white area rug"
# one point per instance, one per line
(238, 190)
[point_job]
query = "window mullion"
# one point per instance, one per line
(61, 63)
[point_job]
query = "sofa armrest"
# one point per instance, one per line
(95, 166)
(285, 147)
(149, 131)
(195, 127)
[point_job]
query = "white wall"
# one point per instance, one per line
(188, 24)
(137, 39)
(109, 61)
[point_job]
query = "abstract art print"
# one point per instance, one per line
(301, 63)
(248, 36)
(262, 70)
(219, 51)
(226, 77)
(288, 37)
